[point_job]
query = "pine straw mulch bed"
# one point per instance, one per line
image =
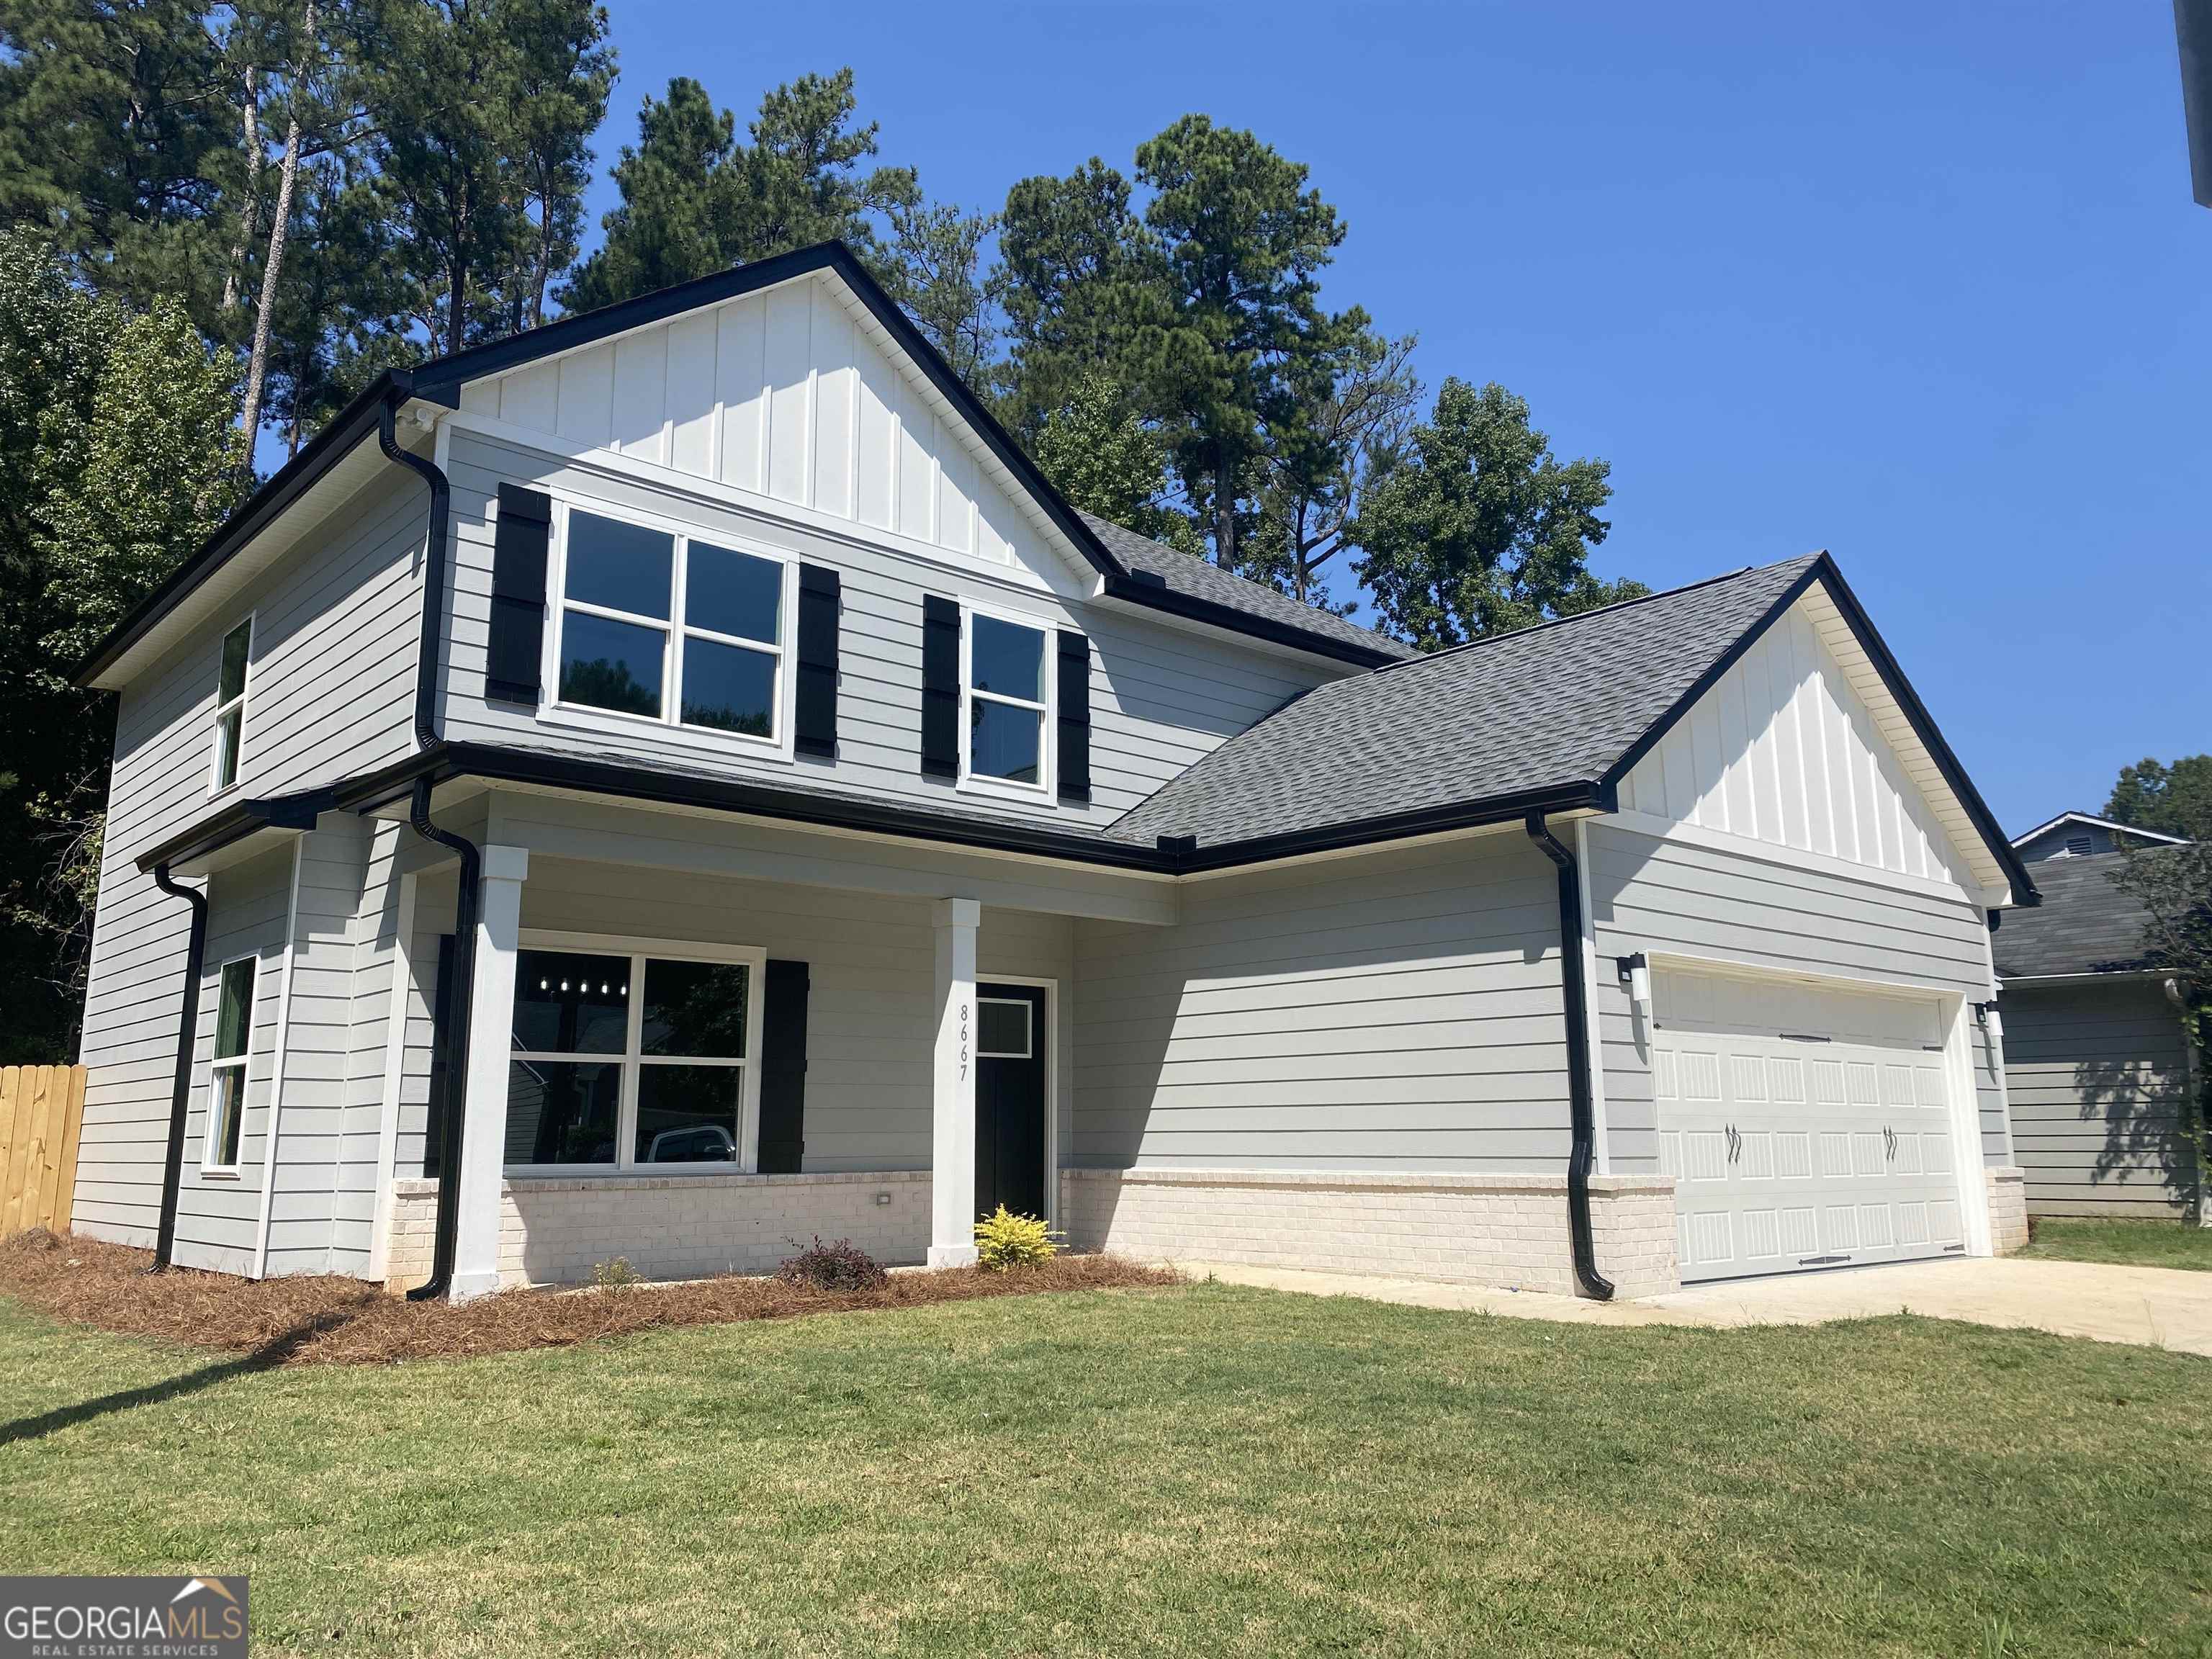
(324, 1320)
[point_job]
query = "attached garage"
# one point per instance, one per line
(1805, 1126)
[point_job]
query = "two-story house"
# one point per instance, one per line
(679, 780)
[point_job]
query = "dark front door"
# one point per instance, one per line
(1011, 1034)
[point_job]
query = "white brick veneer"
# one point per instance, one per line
(555, 1231)
(1502, 1230)
(2008, 1208)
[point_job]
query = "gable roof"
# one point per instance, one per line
(2117, 828)
(1554, 715)
(2085, 924)
(1160, 579)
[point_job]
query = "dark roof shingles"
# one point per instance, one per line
(2085, 924)
(1198, 580)
(1550, 706)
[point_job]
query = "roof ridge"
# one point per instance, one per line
(1599, 610)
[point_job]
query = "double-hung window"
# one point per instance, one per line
(668, 627)
(627, 1058)
(230, 705)
(234, 1031)
(1006, 720)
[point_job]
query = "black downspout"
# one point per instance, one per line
(457, 1043)
(428, 662)
(1582, 1155)
(181, 1092)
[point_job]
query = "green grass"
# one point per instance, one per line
(1204, 1471)
(2134, 1243)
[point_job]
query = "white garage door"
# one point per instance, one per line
(1804, 1127)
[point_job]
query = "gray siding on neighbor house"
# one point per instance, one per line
(2098, 1075)
(1398, 1010)
(1160, 696)
(329, 693)
(1656, 895)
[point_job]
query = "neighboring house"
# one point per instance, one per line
(691, 737)
(2097, 1066)
(2082, 835)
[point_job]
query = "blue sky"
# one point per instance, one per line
(1921, 285)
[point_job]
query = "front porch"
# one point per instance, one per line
(680, 1056)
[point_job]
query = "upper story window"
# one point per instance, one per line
(230, 704)
(671, 627)
(1006, 717)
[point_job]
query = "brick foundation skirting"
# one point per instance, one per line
(556, 1231)
(1503, 1230)
(2008, 1208)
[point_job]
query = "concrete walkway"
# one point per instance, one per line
(2158, 1307)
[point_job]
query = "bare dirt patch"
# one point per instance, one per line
(325, 1319)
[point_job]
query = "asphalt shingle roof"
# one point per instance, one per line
(1201, 580)
(1550, 706)
(2085, 924)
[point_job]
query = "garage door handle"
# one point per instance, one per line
(1889, 1140)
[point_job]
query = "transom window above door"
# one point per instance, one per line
(662, 626)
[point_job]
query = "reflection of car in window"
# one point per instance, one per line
(705, 1143)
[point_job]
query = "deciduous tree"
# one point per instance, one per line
(2173, 800)
(1479, 529)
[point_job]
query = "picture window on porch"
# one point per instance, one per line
(670, 627)
(622, 1060)
(1009, 716)
(234, 1031)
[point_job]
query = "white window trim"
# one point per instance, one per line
(244, 1063)
(668, 726)
(250, 622)
(973, 782)
(752, 958)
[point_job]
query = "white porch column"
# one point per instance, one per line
(952, 1143)
(491, 1029)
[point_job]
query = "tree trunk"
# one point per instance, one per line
(251, 120)
(1225, 508)
(256, 367)
(544, 273)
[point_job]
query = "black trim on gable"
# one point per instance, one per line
(1152, 593)
(1823, 571)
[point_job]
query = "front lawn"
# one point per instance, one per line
(1202, 1470)
(2131, 1243)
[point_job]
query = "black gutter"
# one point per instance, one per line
(180, 1091)
(457, 1041)
(806, 810)
(235, 823)
(1582, 1155)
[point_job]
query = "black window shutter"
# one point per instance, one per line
(1074, 717)
(518, 595)
(940, 686)
(783, 1068)
(815, 722)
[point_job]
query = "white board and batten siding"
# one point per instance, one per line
(793, 394)
(1161, 698)
(348, 596)
(1399, 1011)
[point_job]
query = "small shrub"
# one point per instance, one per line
(615, 1275)
(1004, 1240)
(843, 1266)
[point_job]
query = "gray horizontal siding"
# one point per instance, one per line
(1161, 698)
(1396, 1011)
(1653, 894)
(329, 693)
(2098, 1075)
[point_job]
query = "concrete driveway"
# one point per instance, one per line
(2157, 1307)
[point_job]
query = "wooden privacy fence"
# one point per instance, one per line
(40, 1108)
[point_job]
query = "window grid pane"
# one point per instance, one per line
(562, 1111)
(729, 687)
(237, 645)
(571, 1003)
(226, 1112)
(606, 664)
(234, 1019)
(229, 726)
(735, 594)
(1006, 659)
(621, 567)
(1004, 741)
